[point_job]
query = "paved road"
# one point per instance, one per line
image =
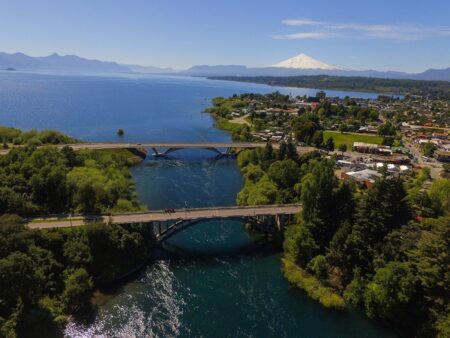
(435, 167)
(160, 215)
(177, 145)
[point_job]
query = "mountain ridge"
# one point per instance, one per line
(76, 64)
(70, 63)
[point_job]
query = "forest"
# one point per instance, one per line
(13, 136)
(384, 249)
(45, 180)
(432, 89)
(47, 276)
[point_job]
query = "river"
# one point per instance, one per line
(222, 284)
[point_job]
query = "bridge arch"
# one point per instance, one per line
(165, 153)
(184, 224)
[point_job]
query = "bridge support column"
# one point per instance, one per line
(280, 221)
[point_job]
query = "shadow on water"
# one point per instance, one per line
(260, 247)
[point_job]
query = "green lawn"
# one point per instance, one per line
(349, 138)
(227, 125)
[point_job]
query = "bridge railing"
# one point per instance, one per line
(146, 212)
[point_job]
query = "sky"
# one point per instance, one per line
(397, 35)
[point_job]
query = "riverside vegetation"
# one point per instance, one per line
(384, 248)
(48, 275)
(434, 89)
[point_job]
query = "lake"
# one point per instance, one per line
(224, 284)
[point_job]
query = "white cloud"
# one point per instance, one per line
(302, 22)
(324, 29)
(304, 36)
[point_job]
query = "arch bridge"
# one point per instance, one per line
(161, 149)
(166, 224)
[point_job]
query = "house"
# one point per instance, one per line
(442, 156)
(365, 177)
(441, 136)
(276, 138)
(342, 163)
(274, 111)
(367, 130)
(371, 148)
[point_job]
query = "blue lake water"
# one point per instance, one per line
(219, 288)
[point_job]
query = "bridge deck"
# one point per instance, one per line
(180, 214)
(172, 145)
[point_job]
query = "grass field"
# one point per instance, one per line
(349, 138)
(225, 124)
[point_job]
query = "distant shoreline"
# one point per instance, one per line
(391, 87)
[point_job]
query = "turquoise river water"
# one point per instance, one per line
(222, 285)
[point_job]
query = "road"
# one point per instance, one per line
(177, 145)
(161, 215)
(434, 166)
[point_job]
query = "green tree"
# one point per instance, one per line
(318, 266)
(253, 173)
(319, 191)
(260, 193)
(389, 293)
(268, 156)
(305, 126)
(383, 209)
(77, 291)
(386, 129)
(342, 148)
(329, 144)
(343, 127)
(431, 260)
(317, 139)
(299, 245)
(428, 149)
(19, 282)
(77, 251)
(284, 173)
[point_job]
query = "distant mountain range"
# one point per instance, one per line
(71, 63)
(305, 65)
(298, 65)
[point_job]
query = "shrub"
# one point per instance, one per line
(326, 296)
(318, 266)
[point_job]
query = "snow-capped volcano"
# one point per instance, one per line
(303, 61)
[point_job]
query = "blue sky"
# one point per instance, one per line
(384, 35)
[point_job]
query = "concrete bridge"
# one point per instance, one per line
(166, 224)
(162, 149)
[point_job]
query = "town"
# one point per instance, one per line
(365, 135)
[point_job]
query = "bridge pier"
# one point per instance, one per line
(269, 223)
(280, 221)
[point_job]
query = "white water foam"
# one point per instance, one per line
(163, 319)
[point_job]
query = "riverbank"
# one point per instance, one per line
(134, 156)
(59, 268)
(336, 250)
(312, 286)
(391, 87)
